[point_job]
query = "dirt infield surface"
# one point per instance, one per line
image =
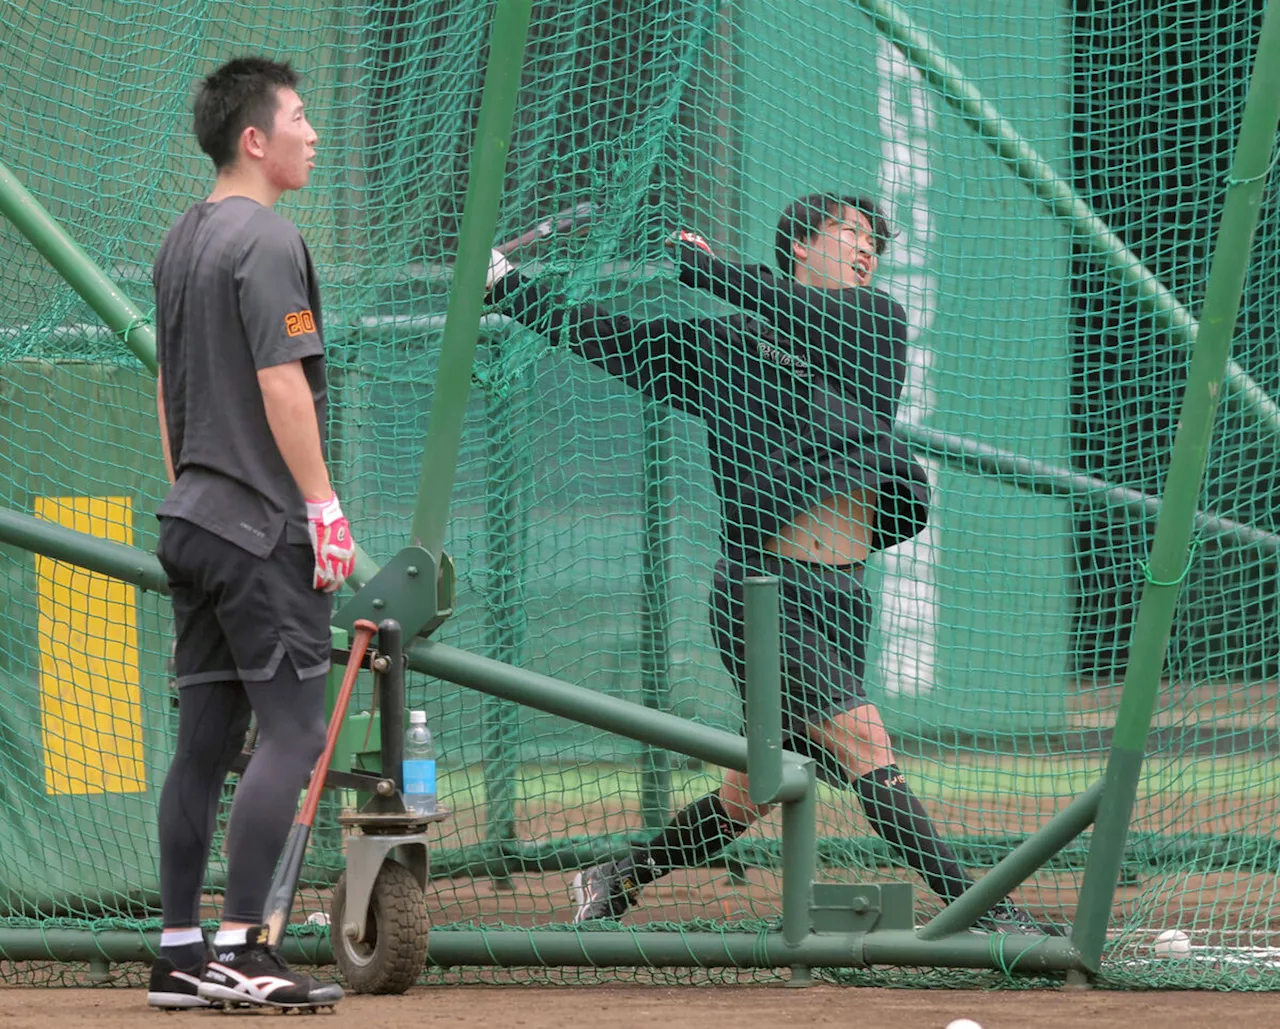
(695, 1007)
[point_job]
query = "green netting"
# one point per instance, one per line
(584, 526)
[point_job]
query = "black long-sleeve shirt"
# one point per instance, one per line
(797, 412)
(855, 339)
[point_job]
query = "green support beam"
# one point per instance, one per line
(116, 310)
(505, 619)
(764, 685)
(1014, 868)
(128, 564)
(1049, 480)
(466, 297)
(1170, 555)
(550, 948)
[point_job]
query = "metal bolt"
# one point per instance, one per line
(350, 930)
(379, 603)
(385, 787)
(380, 663)
(411, 571)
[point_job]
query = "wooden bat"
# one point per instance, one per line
(275, 915)
(571, 218)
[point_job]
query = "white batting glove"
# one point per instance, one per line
(499, 267)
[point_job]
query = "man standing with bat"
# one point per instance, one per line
(252, 538)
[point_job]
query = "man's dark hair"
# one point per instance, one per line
(243, 92)
(804, 217)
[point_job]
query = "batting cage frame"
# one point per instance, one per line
(823, 925)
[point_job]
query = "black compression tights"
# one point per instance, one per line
(212, 719)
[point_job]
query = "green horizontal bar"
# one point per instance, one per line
(129, 564)
(1054, 481)
(546, 948)
(62, 944)
(379, 323)
(563, 855)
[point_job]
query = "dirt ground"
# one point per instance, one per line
(695, 1007)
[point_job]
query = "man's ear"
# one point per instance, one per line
(799, 251)
(253, 141)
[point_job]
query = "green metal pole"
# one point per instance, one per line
(1169, 550)
(533, 948)
(541, 692)
(466, 297)
(119, 313)
(64, 945)
(505, 622)
(764, 688)
(128, 564)
(799, 863)
(655, 619)
(1013, 869)
(1038, 175)
(1050, 480)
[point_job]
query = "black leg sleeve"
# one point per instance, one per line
(697, 832)
(896, 814)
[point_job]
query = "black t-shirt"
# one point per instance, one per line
(793, 419)
(235, 292)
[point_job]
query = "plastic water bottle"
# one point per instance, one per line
(419, 772)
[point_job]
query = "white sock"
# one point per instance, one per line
(231, 938)
(181, 937)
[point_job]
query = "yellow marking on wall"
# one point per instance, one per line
(91, 703)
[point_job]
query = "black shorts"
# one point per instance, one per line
(825, 615)
(237, 616)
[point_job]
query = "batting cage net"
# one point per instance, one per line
(1040, 394)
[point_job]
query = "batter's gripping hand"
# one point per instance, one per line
(685, 236)
(331, 542)
(499, 267)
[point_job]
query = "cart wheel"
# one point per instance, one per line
(394, 949)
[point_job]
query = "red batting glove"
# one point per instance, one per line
(685, 236)
(331, 541)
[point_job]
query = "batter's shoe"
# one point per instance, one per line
(605, 891)
(1005, 917)
(174, 990)
(257, 976)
